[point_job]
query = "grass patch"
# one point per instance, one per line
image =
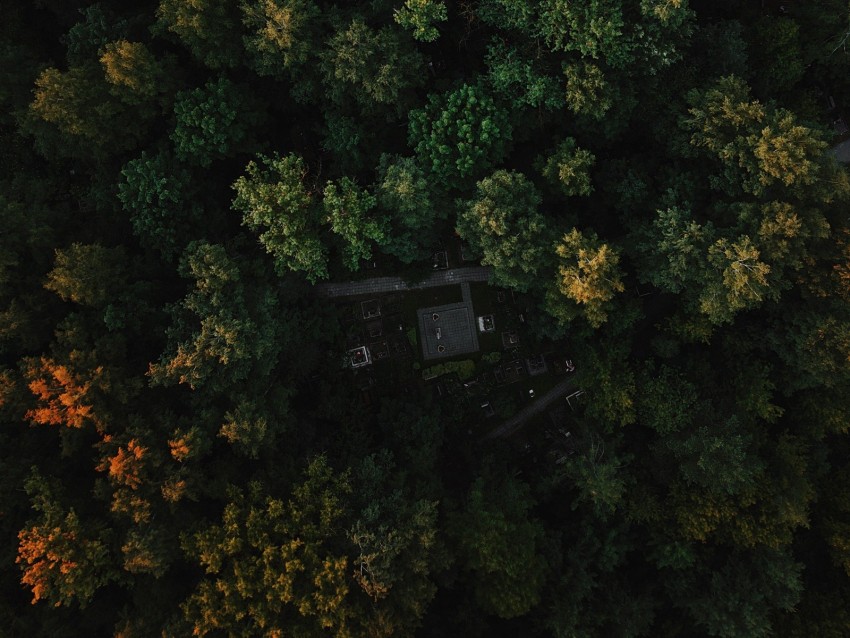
(465, 369)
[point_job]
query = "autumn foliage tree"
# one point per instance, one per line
(63, 562)
(588, 275)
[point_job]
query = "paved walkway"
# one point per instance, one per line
(535, 407)
(397, 284)
(466, 292)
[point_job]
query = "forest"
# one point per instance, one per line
(186, 446)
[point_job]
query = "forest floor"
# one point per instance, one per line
(534, 408)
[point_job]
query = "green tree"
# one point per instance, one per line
(500, 545)
(773, 492)
(280, 33)
(163, 207)
(460, 134)
(347, 208)
(717, 457)
(419, 16)
(776, 53)
(510, 14)
(256, 422)
(274, 566)
(88, 274)
(613, 32)
(737, 596)
(668, 401)
(503, 224)
(208, 28)
(813, 340)
(675, 248)
(212, 121)
(396, 548)
(594, 29)
(725, 48)
(224, 330)
(274, 198)
(373, 67)
(569, 168)
(588, 92)
(521, 79)
(86, 38)
(414, 432)
(597, 472)
(609, 376)
(403, 193)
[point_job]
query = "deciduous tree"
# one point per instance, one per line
(281, 33)
(503, 224)
(212, 121)
(588, 275)
(403, 192)
(163, 207)
(136, 75)
(274, 566)
(90, 121)
(88, 274)
(347, 208)
(759, 147)
(420, 16)
(208, 28)
(273, 197)
(568, 168)
(500, 545)
(62, 560)
(376, 68)
(224, 330)
(460, 134)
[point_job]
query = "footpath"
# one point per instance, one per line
(535, 407)
(378, 285)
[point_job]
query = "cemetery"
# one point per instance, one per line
(468, 342)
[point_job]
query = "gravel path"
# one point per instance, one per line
(396, 284)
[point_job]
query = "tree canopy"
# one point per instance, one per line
(400, 318)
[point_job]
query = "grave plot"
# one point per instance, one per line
(375, 328)
(380, 350)
(370, 308)
(394, 324)
(359, 357)
(536, 365)
(440, 260)
(510, 339)
(400, 346)
(348, 313)
(486, 323)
